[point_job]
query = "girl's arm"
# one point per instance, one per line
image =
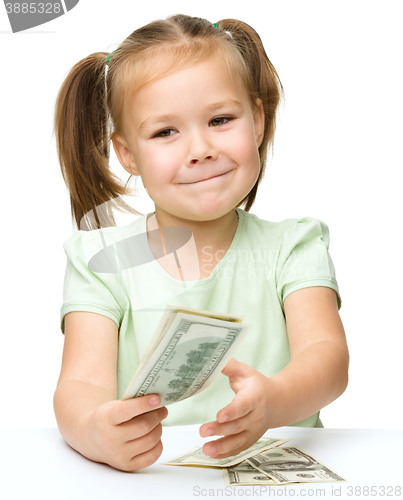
(316, 376)
(123, 434)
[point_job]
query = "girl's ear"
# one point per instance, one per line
(258, 118)
(124, 155)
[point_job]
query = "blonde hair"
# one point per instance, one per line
(89, 109)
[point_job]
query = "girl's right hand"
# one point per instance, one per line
(127, 434)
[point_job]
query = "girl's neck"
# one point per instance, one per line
(212, 240)
(214, 233)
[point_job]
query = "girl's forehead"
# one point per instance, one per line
(201, 80)
(155, 67)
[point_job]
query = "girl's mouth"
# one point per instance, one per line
(210, 178)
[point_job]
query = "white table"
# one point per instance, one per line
(38, 464)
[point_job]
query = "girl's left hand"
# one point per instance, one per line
(246, 418)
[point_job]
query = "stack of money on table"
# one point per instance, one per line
(264, 463)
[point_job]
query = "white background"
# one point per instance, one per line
(337, 157)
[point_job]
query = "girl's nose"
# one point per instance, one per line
(201, 150)
(195, 160)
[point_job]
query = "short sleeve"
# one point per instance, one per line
(304, 258)
(85, 290)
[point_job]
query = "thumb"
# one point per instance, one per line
(124, 410)
(235, 369)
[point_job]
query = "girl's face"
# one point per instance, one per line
(193, 136)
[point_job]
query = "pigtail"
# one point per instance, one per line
(264, 84)
(82, 131)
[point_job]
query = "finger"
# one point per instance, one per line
(141, 425)
(145, 442)
(146, 459)
(235, 368)
(242, 404)
(240, 407)
(228, 428)
(138, 449)
(232, 453)
(140, 453)
(227, 446)
(163, 412)
(125, 410)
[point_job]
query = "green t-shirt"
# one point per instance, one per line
(264, 263)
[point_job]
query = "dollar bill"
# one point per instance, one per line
(244, 474)
(196, 457)
(292, 465)
(188, 350)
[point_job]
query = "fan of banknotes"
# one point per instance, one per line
(189, 349)
(264, 463)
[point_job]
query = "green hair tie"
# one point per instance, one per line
(216, 25)
(109, 58)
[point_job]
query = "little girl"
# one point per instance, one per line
(190, 107)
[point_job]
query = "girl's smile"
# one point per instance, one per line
(208, 178)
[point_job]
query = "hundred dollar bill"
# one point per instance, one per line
(244, 474)
(292, 465)
(188, 350)
(166, 321)
(196, 457)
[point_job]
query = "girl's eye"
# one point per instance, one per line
(215, 122)
(165, 133)
(219, 120)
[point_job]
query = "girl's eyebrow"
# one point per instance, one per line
(155, 120)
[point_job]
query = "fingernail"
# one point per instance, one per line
(209, 432)
(213, 449)
(225, 418)
(154, 401)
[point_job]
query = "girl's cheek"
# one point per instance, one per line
(245, 151)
